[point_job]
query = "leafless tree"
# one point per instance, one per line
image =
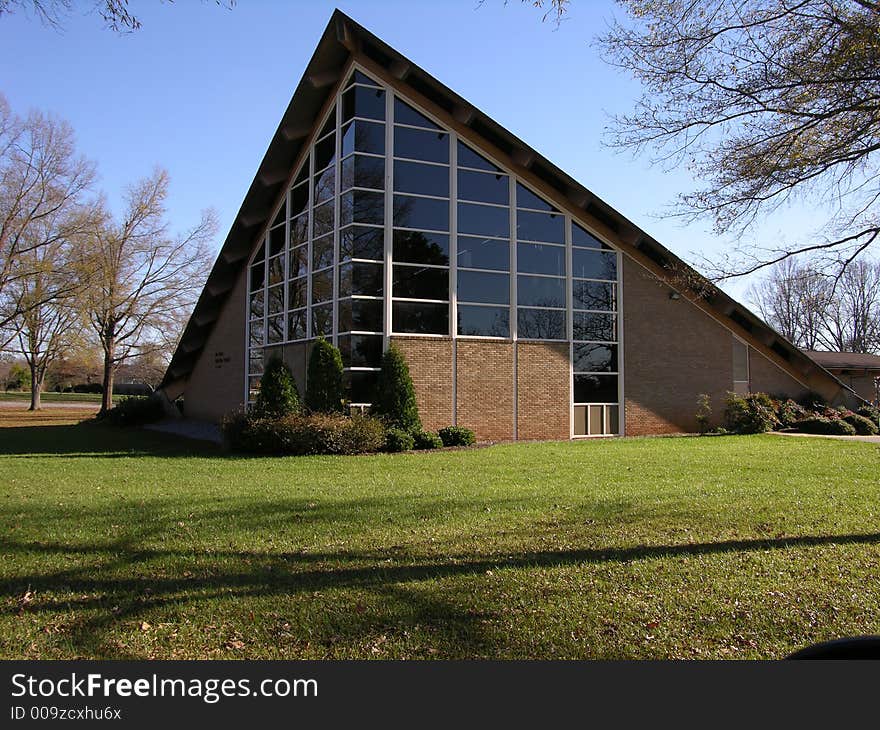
(768, 101)
(852, 318)
(144, 279)
(115, 13)
(42, 186)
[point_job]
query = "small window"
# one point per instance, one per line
(417, 144)
(360, 315)
(483, 253)
(525, 198)
(275, 331)
(322, 287)
(483, 321)
(357, 77)
(591, 357)
(595, 389)
(594, 327)
(258, 273)
(360, 242)
(322, 253)
(582, 238)
(416, 247)
(540, 324)
(363, 102)
(468, 158)
(421, 213)
(483, 220)
(276, 270)
(324, 217)
(361, 385)
(425, 318)
(484, 288)
(361, 136)
(540, 291)
(299, 230)
(322, 320)
(596, 295)
(536, 258)
(298, 263)
(360, 171)
(257, 304)
(325, 153)
(275, 299)
(361, 206)
(740, 365)
(549, 227)
(296, 293)
(405, 114)
(361, 279)
(296, 325)
(412, 177)
(593, 264)
(417, 282)
(299, 199)
(360, 351)
(276, 241)
(483, 187)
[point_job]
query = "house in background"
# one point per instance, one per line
(859, 371)
(389, 209)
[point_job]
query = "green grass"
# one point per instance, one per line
(52, 397)
(126, 544)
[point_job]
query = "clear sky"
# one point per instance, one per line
(200, 90)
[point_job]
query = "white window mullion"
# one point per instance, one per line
(389, 213)
(311, 229)
(337, 213)
(453, 234)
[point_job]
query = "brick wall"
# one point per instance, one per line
(673, 352)
(543, 390)
(216, 385)
(485, 388)
(766, 377)
(430, 366)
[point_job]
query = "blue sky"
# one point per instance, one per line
(200, 90)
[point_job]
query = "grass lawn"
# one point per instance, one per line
(126, 544)
(52, 397)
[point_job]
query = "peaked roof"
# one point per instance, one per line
(344, 38)
(846, 360)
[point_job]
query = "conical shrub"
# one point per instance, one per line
(278, 396)
(324, 388)
(395, 396)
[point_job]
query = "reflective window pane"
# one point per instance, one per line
(540, 324)
(298, 262)
(324, 217)
(549, 227)
(483, 220)
(595, 389)
(322, 286)
(360, 101)
(276, 270)
(322, 320)
(484, 288)
(299, 199)
(258, 302)
(260, 255)
(325, 153)
(418, 144)
(276, 240)
(483, 321)
(589, 357)
(594, 327)
(405, 114)
(296, 293)
(299, 230)
(483, 253)
(534, 258)
(593, 264)
(483, 187)
(362, 279)
(411, 177)
(538, 291)
(525, 198)
(416, 282)
(584, 239)
(359, 242)
(593, 295)
(357, 77)
(417, 247)
(296, 325)
(275, 299)
(468, 158)
(275, 329)
(329, 124)
(361, 136)
(322, 253)
(420, 318)
(361, 386)
(359, 171)
(424, 213)
(360, 315)
(325, 185)
(361, 351)
(359, 206)
(257, 330)
(280, 216)
(258, 274)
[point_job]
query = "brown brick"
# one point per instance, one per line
(766, 377)
(484, 394)
(430, 366)
(543, 390)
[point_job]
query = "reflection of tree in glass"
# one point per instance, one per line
(276, 329)
(416, 246)
(592, 357)
(541, 324)
(499, 325)
(299, 230)
(296, 325)
(322, 321)
(594, 327)
(593, 295)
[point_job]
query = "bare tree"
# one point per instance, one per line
(48, 321)
(852, 318)
(115, 13)
(144, 280)
(769, 101)
(42, 185)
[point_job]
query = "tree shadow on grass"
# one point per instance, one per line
(109, 590)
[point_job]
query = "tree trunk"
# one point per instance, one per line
(107, 395)
(36, 388)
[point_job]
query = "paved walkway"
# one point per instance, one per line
(869, 439)
(189, 428)
(49, 405)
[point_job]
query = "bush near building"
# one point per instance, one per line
(325, 392)
(396, 397)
